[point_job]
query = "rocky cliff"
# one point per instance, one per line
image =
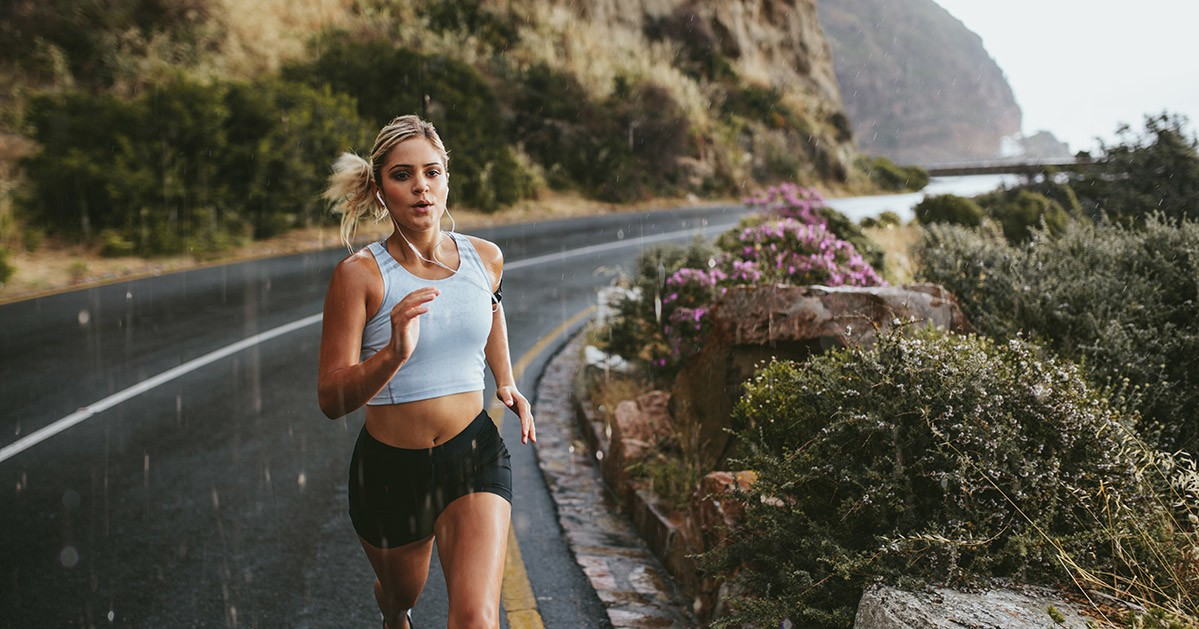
(718, 51)
(918, 85)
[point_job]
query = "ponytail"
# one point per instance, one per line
(349, 192)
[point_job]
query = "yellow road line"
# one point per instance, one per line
(516, 591)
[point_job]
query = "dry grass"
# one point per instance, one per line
(261, 35)
(897, 242)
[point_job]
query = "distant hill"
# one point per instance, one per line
(918, 86)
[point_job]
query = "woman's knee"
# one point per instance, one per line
(473, 616)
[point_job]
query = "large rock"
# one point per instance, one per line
(753, 324)
(637, 427)
(889, 608)
(717, 510)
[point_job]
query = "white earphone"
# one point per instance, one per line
(453, 226)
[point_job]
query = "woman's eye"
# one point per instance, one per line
(433, 173)
(400, 176)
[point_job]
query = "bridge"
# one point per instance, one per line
(1012, 166)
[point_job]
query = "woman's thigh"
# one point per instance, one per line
(402, 570)
(472, 536)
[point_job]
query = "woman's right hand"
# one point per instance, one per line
(405, 321)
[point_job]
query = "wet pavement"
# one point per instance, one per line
(635, 588)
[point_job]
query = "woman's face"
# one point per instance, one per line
(415, 184)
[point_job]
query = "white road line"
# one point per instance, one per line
(609, 246)
(86, 412)
(100, 406)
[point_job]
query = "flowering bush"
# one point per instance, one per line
(688, 295)
(805, 205)
(787, 251)
(788, 200)
(792, 243)
(797, 241)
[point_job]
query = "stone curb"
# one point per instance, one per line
(634, 587)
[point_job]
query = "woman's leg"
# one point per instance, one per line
(401, 573)
(472, 538)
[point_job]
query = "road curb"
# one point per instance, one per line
(636, 590)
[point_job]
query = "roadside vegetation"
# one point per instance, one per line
(163, 127)
(1054, 445)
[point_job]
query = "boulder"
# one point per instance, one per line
(637, 427)
(1027, 608)
(753, 324)
(716, 511)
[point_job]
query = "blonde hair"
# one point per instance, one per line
(349, 189)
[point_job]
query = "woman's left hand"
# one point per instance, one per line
(513, 399)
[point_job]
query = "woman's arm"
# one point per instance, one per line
(499, 358)
(343, 383)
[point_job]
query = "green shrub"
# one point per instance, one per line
(699, 46)
(85, 34)
(6, 268)
(1058, 191)
(891, 177)
(1120, 300)
(625, 148)
(186, 166)
(948, 208)
(497, 28)
(387, 82)
(934, 457)
(1019, 211)
(886, 219)
(281, 136)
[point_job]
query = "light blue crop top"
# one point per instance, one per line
(449, 356)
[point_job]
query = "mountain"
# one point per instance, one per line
(918, 86)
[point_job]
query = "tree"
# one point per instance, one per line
(1154, 170)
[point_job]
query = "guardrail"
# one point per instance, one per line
(1004, 166)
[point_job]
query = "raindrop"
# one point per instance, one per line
(70, 499)
(128, 294)
(69, 557)
(302, 480)
(620, 234)
(216, 499)
(84, 317)
(599, 455)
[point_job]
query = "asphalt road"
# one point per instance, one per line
(214, 494)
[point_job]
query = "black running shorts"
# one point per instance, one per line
(396, 494)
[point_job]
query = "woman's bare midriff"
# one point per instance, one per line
(424, 423)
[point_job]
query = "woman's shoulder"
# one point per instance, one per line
(491, 256)
(488, 251)
(358, 269)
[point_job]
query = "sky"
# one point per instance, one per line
(1080, 68)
